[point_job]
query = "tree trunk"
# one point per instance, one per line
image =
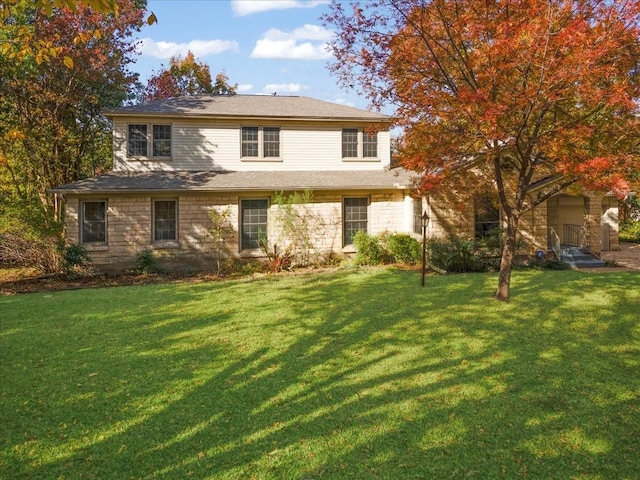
(506, 260)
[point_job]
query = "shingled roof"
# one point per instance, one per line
(211, 181)
(250, 106)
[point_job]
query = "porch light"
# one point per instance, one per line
(424, 222)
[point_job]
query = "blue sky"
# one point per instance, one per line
(264, 46)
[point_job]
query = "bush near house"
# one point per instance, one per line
(402, 248)
(386, 248)
(630, 219)
(630, 231)
(29, 236)
(455, 254)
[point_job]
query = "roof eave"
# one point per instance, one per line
(85, 191)
(113, 114)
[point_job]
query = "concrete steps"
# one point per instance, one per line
(578, 257)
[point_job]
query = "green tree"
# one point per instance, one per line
(52, 130)
(21, 43)
(186, 76)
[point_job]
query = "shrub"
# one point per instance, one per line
(297, 224)
(492, 241)
(369, 250)
(554, 265)
(29, 234)
(146, 262)
(544, 264)
(630, 231)
(26, 250)
(278, 258)
(249, 268)
(329, 259)
(455, 254)
(75, 257)
(402, 248)
(221, 228)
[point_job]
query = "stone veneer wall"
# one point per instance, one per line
(448, 215)
(129, 229)
(533, 231)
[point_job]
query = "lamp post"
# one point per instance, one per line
(425, 222)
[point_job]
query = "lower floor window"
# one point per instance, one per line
(355, 215)
(94, 222)
(486, 216)
(253, 222)
(165, 220)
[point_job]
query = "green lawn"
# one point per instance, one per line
(356, 374)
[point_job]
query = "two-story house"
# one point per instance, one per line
(175, 160)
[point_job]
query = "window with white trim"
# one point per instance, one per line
(369, 145)
(260, 142)
(355, 217)
(253, 222)
(93, 224)
(140, 142)
(165, 220)
(359, 144)
(350, 143)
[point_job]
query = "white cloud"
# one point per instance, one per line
(281, 88)
(306, 32)
(343, 101)
(308, 42)
(247, 87)
(200, 48)
(249, 7)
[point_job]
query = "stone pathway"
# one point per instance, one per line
(628, 256)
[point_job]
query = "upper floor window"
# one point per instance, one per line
(140, 142)
(137, 146)
(260, 142)
(359, 144)
(369, 145)
(93, 223)
(350, 143)
(250, 142)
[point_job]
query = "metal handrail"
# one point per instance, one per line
(573, 235)
(587, 239)
(580, 236)
(554, 240)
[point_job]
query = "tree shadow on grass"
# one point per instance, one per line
(361, 375)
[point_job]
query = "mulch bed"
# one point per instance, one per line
(24, 281)
(53, 282)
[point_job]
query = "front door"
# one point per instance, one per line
(571, 219)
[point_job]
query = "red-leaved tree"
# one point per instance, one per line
(518, 90)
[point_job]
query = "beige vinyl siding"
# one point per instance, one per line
(199, 145)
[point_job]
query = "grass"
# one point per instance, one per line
(356, 374)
